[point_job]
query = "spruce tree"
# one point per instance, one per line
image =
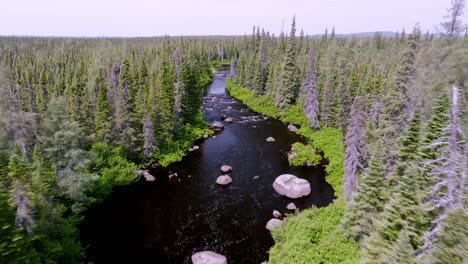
(369, 200)
(451, 245)
(353, 142)
(289, 87)
(447, 176)
(402, 252)
(310, 105)
(126, 132)
(103, 116)
(261, 70)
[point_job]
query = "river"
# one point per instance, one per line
(167, 221)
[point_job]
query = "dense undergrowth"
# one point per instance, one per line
(311, 236)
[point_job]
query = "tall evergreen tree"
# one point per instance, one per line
(353, 142)
(369, 200)
(448, 188)
(289, 87)
(103, 116)
(310, 105)
(261, 70)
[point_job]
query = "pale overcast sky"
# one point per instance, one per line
(213, 17)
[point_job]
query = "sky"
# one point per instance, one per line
(98, 18)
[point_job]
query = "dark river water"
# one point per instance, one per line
(167, 221)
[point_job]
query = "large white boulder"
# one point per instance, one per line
(216, 125)
(208, 257)
(226, 168)
(291, 186)
(292, 128)
(224, 180)
(273, 223)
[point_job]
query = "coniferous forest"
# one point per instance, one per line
(386, 117)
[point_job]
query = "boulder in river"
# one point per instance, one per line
(273, 223)
(276, 214)
(205, 136)
(208, 257)
(146, 174)
(224, 180)
(291, 206)
(291, 186)
(195, 147)
(270, 139)
(226, 168)
(228, 120)
(292, 128)
(217, 126)
(223, 116)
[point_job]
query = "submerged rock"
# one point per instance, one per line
(270, 139)
(173, 176)
(226, 168)
(291, 206)
(292, 128)
(276, 214)
(208, 257)
(291, 186)
(273, 223)
(256, 177)
(223, 116)
(228, 120)
(217, 126)
(224, 180)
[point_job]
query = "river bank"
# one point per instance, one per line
(314, 235)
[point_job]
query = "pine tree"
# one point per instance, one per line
(310, 105)
(405, 75)
(288, 89)
(233, 69)
(403, 252)
(453, 24)
(103, 116)
(448, 176)
(178, 91)
(353, 142)
(261, 70)
(20, 193)
(451, 245)
(113, 95)
(126, 132)
(148, 132)
(369, 199)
